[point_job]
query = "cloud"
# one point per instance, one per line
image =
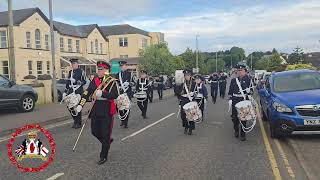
(258, 27)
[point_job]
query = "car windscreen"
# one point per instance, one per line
(297, 82)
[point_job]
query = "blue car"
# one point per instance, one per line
(290, 102)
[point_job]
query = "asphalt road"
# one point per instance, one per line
(156, 148)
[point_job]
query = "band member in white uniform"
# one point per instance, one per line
(142, 89)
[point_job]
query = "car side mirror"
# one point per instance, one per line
(264, 93)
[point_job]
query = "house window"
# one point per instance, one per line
(124, 56)
(38, 39)
(70, 45)
(5, 68)
(97, 46)
(144, 43)
(3, 37)
(30, 67)
(91, 47)
(61, 45)
(101, 48)
(78, 46)
(39, 67)
(47, 41)
(123, 42)
(28, 39)
(48, 67)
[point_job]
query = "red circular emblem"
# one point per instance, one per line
(48, 136)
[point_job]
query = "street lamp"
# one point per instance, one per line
(54, 80)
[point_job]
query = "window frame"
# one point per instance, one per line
(28, 39)
(61, 44)
(39, 69)
(48, 67)
(5, 67)
(46, 37)
(37, 38)
(69, 45)
(123, 42)
(78, 46)
(30, 67)
(101, 48)
(96, 46)
(91, 43)
(3, 39)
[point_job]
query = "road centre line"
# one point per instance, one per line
(272, 159)
(56, 176)
(147, 127)
(285, 159)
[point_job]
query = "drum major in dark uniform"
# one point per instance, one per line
(214, 85)
(104, 89)
(125, 82)
(236, 96)
(184, 91)
(76, 80)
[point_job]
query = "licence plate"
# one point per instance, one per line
(312, 122)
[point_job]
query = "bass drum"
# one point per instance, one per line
(193, 112)
(141, 96)
(123, 102)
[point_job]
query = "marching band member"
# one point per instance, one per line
(160, 87)
(142, 88)
(236, 96)
(75, 84)
(222, 84)
(104, 89)
(150, 94)
(201, 92)
(183, 92)
(214, 84)
(124, 80)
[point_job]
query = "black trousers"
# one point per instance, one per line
(214, 93)
(222, 90)
(143, 106)
(160, 91)
(101, 129)
(150, 95)
(76, 119)
(122, 113)
(185, 123)
(236, 122)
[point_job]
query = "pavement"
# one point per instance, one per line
(157, 148)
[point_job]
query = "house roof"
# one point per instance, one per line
(130, 61)
(122, 29)
(21, 15)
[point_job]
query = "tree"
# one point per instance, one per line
(270, 63)
(297, 56)
(300, 66)
(157, 59)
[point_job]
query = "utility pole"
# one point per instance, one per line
(54, 80)
(216, 61)
(11, 43)
(197, 54)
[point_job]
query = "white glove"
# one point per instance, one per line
(64, 95)
(98, 93)
(79, 108)
(230, 105)
(72, 80)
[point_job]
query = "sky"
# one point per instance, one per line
(255, 25)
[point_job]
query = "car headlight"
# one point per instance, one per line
(281, 107)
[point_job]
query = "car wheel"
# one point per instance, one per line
(263, 115)
(27, 103)
(273, 132)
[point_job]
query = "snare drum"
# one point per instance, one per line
(246, 111)
(193, 112)
(123, 102)
(141, 96)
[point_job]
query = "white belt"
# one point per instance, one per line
(237, 95)
(100, 98)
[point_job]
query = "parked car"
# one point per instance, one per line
(61, 86)
(290, 102)
(13, 95)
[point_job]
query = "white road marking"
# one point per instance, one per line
(143, 129)
(55, 176)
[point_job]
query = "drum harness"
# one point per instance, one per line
(125, 92)
(254, 121)
(72, 98)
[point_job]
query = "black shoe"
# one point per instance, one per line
(236, 134)
(190, 132)
(242, 138)
(102, 161)
(122, 123)
(144, 117)
(111, 140)
(185, 130)
(77, 126)
(73, 126)
(125, 126)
